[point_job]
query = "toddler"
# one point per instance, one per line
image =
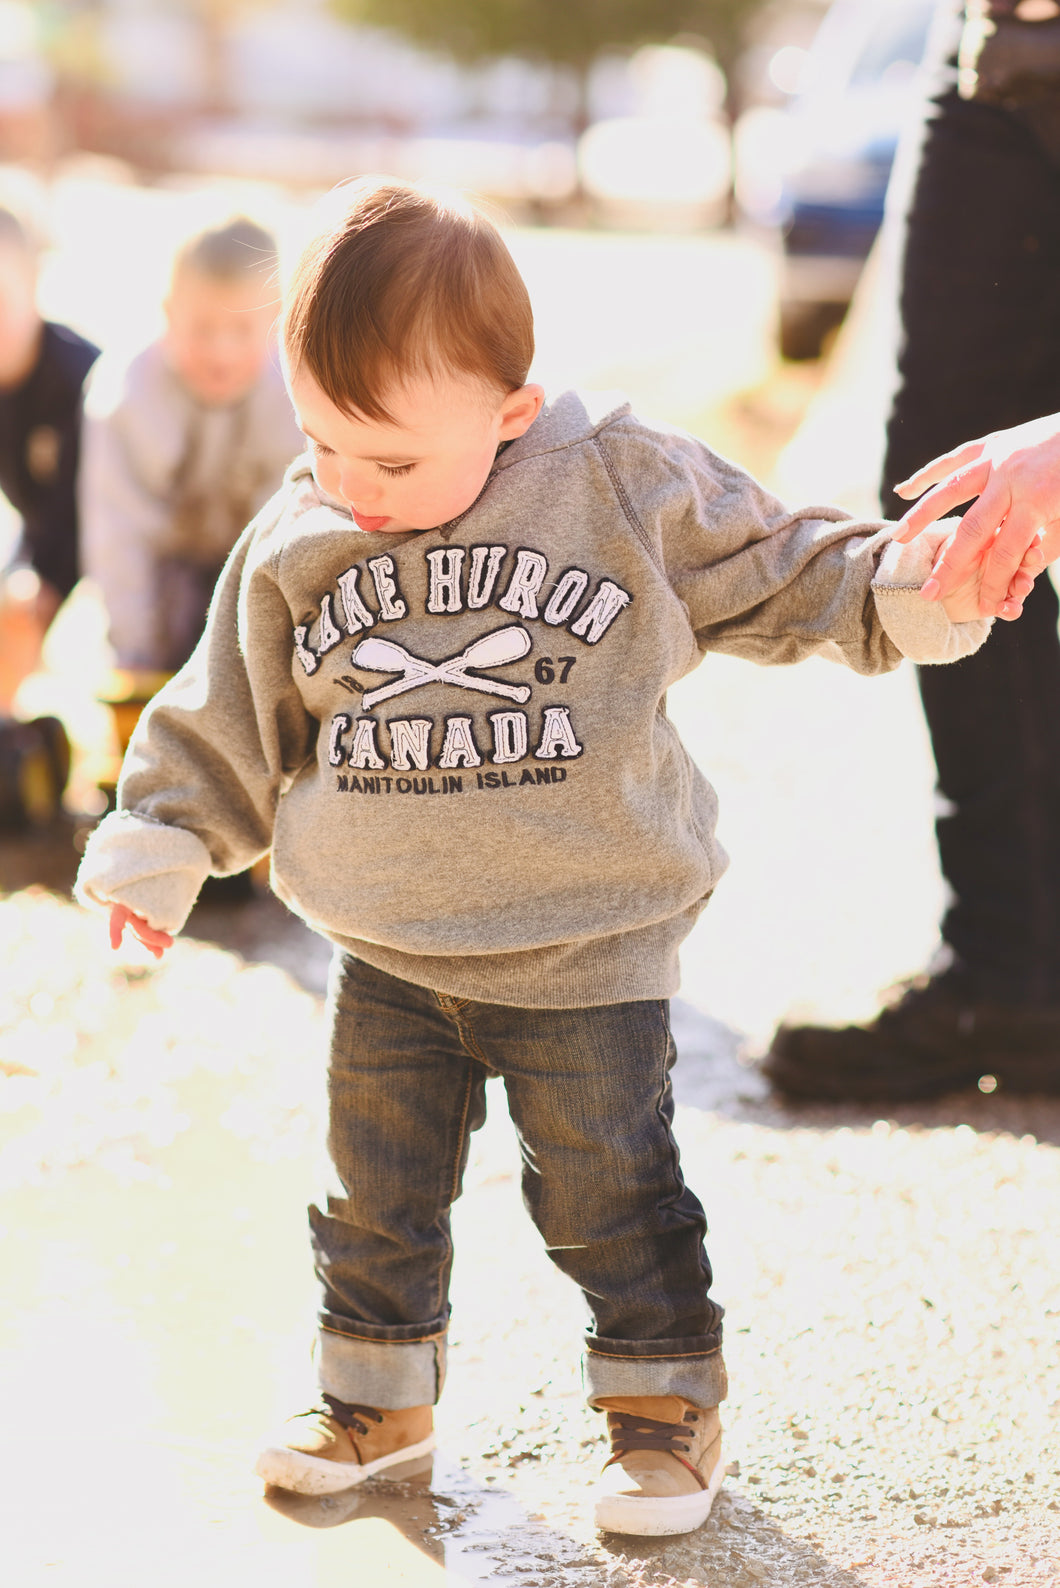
(433, 683)
(183, 444)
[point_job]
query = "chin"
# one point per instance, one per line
(217, 393)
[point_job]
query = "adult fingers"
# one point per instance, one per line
(1005, 555)
(955, 489)
(1050, 541)
(971, 544)
(939, 467)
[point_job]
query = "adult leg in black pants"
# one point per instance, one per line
(980, 312)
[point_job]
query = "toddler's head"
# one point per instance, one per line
(20, 321)
(407, 337)
(220, 310)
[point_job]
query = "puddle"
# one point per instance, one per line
(471, 1532)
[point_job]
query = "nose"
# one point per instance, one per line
(358, 491)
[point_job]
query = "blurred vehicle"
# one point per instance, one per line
(839, 134)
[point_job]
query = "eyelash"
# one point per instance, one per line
(396, 470)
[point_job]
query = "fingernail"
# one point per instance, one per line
(930, 589)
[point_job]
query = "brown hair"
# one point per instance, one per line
(238, 249)
(405, 282)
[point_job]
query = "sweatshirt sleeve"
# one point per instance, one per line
(773, 585)
(209, 757)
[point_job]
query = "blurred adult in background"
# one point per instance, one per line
(42, 370)
(183, 444)
(980, 351)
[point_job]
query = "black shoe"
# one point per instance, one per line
(937, 1037)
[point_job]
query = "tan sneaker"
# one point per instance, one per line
(334, 1445)
(665, 1465)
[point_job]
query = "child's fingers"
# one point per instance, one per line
(151, 937)
(939, 468)
(119, 915)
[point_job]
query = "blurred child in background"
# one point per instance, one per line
(42, 370)
(182, 444)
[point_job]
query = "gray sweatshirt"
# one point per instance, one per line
(455, 741)
(165, 487)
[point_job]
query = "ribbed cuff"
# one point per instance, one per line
(920, 629)
(154, 869)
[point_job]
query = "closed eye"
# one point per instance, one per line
(395, 468)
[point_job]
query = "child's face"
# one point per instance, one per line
(218, 335)
(425, 467)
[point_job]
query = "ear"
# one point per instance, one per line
(519, 410)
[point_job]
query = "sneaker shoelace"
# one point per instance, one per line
(351, 1416)
(630, 1432)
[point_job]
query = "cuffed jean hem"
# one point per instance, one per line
(369, 1371)
(695, 1375)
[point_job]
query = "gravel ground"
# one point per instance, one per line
(893, 1284)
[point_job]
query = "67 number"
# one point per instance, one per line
(545, 668)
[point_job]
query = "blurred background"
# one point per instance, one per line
(776, 118)
(713, 171)
(692, 190)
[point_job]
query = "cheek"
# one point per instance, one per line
(460, 488)
(326, 474)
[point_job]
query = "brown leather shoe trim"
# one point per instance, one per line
(700, 1479)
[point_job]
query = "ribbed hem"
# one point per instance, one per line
(153, 868)
(622, 968)
(381, 1372)
(698, 1377)
(920, 629)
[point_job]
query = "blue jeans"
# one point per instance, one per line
(589, 1094)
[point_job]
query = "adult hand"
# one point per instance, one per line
(1013, 526)
(121, 917)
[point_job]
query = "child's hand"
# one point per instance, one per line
(121, 917)
(1012, 529)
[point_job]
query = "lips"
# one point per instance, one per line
(369, 525)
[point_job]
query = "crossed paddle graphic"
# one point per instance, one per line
(491, 650)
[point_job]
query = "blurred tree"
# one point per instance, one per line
(562, 32)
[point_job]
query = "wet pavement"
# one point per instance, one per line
(893, 1288)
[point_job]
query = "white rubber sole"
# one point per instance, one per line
(301, 1474)
(650, 1517)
